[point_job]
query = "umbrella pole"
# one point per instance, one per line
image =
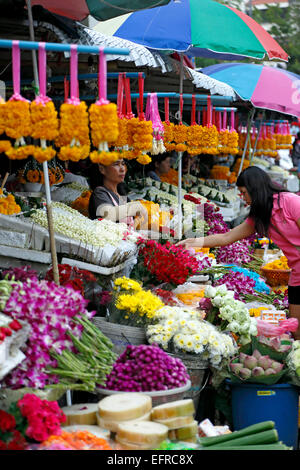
(45, 165)
(255, 143)
(247, 139)
(180, 159)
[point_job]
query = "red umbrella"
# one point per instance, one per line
(99, 9)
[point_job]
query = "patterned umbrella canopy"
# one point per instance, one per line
(266, 87)
(202, 28)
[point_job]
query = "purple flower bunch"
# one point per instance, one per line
(237, 253)
(49, 310)
(282, 303)
(214, 219)
(237, 282)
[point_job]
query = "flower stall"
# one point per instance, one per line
(139, 325)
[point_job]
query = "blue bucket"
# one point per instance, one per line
(254, 403)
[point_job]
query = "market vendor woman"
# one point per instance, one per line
(274, 213)
(109, 199)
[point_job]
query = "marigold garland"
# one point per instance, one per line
(17, 126)
(18, 122)
(73, 138)
(44, 127)
(104, 158)
(180, 137)
(194, 139)
(103, 123)
(143, 159)
(5, 145)
(140, 134)
(122, 138)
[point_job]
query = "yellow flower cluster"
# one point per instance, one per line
(44, 154)
(135, 300)
(233, 143)
(19, 153)
(256, 312)
(73, 138)
(103, 123)
(266, 146)
(81, 204)
(125, 283)
(283, 141)
(143, 159)
(122, 138)
(237, 164)
(143, 303)
(171, 177)
(44, 121)
(210, 140)
(194, 139)
(168, 135)
(8, 204)
(18, 121)
(5, 145)
(104, 158)
(180, 135)
(280, 263)
(140, 134)
(3, 113)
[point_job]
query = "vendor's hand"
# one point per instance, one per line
(191, 243)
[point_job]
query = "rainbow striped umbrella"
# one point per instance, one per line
(266, 87)
(203, 28)
(99, 9)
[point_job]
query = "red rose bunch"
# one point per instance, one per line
(168, 263)
(71, 276)
(31, 418)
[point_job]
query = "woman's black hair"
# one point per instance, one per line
(261, 189)
(96, 179)
(157, 159)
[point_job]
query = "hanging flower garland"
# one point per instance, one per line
(4, 144)
(152, 115)
(194, 133)
(168, 129)
(139, 130)
(43, 115)
(73, 139)
(17, 115)
(103, 121)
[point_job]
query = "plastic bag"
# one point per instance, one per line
(265, 328)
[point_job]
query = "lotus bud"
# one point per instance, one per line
(256, 354)
(258, 371)
(245, 373)
(270, 371)
(277, 366)
(236, 367)
(275, 343)
(264, 362)
(242, 357)
(250, 362)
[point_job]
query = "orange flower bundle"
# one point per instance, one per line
(16, 112)
(73, 139)
(104, 131)
(44, 127)
(194, 139)
(171, 177)
(210, 140)
(169, 135)
(180, 134)
(81, 204)
(76, 440)
(8, 205)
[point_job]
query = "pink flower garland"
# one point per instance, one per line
(49, 310)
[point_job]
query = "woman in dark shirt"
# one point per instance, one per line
(109, 199)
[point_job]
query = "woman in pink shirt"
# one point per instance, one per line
(274, 213)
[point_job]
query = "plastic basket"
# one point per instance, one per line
(158, 397)
(276, 277)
